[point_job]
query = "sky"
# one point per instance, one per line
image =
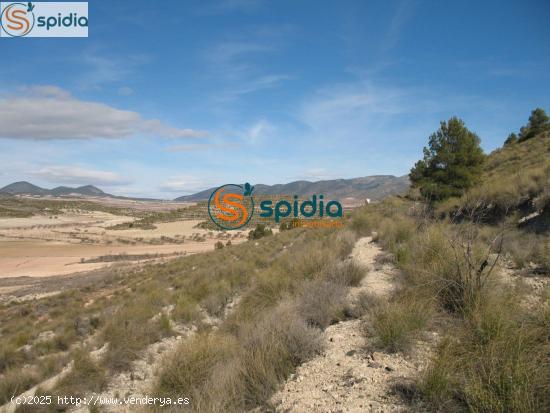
(164, 99)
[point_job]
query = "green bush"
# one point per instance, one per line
(259, 232)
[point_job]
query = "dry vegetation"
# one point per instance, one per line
(278, 279)
(456, 260)
(247, 315)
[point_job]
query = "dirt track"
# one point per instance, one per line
(348, 377)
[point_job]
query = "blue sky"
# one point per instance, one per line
(168, 98)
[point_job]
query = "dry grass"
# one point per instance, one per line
(394, 324)
(133, 327)
(223, 372)
(321, 303)
(497, 362)
(494, 352)
(15, 381)
(275, 327)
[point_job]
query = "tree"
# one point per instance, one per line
(538, 122)
(452, 162)
(259, 232)
(511, 139)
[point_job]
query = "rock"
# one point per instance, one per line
(388, 368)
(45, 336)
(351, 353)
(374, 365)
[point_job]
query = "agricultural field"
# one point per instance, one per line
(61, 237)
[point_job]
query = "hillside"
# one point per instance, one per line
(476, 272)
(515, 186)
(19, 188)
(26, 188)
(374, 187)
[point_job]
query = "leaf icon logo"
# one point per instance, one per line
(248, 189)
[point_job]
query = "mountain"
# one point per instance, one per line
(23, 188)
(374, 187)
(26, 188)
(87, 190)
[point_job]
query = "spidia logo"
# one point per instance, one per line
(17, 19)
(231, 206)
(43, 19)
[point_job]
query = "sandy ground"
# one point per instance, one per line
(43, 245)
(348, 377)
(37, 259)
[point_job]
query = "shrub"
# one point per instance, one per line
(454, 264)
(362, 221)
(396, 323)
(496, 362)
(321, 302)
(346, 273)
(259, 232)
(345, 241)
(271, 349)
(190, 366)
(15, 381)
(223, 373)
(86, 375)
(186, 310)
(131, 329)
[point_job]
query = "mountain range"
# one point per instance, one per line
(373, 187)
(26, 188)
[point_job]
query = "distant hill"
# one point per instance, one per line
(23, 187)
(26, 188)
(374, 187)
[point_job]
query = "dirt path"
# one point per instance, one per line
(348, 377)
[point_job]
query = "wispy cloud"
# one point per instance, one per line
(49, 112)
(100, 70)
(259, 131)
(78, 175)
(200, 147)
(403, 13)
(186, 184)
(235, 63)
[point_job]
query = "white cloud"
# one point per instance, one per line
(79, 176)
(156, 127)
(185, 185)
(259, 131)
(49, 112)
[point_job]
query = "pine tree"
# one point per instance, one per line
(538, 122)
(511, 139)
(452, 162)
